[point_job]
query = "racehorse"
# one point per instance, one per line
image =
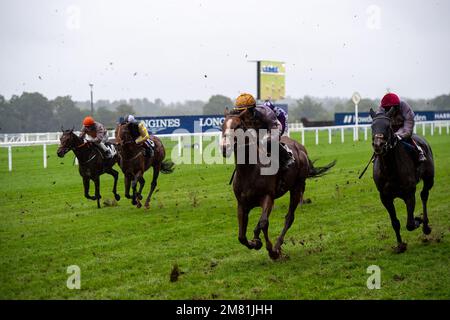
(134, 163)
(91, 163)
(396, 172)
(252, 189)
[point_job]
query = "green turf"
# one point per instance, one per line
(128, 253)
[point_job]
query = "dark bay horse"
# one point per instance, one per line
(134, 163)
(396, 172)
(252, 189)
(91, 164)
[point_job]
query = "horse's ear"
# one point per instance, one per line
(73, 128)
(390, 112)
(62, 129)
(226, 111)
(372, 113)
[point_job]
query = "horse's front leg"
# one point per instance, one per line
(97, 190)
(243, 222)
(141, 186)
(135, 199)
(388, 203)
(86, 181)
(412, 222)
(127, 179)
(263, 224)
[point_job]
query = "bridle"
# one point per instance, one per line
(391, 141)
(122, 143)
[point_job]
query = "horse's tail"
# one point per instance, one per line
(319, 171)
(167, 166)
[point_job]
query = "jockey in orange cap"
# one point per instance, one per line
(96, 133)
(402, 119)
(267, 116)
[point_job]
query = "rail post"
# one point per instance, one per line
(9, 158)
(45, 155)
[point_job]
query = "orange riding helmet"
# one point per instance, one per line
(88, 121)
(245, 100)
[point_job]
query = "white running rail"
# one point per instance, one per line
(50, 138)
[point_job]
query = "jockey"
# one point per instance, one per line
(141, 135)
(282, 116)
(402, 119)
(269, 119)
(96, 133)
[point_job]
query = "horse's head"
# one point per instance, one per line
(233, 120)
(382, 133)
(123, 134)
(68, 141)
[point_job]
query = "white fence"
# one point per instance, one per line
(50, 138)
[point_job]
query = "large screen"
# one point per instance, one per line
(271, 80)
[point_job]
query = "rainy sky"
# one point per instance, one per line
(192, 49)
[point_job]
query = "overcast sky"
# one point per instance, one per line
(178, 50)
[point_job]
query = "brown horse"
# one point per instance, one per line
(134, 163)
(252, 189)
(396, 172)
(91, 164)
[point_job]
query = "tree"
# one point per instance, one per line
(67, 114)
(106, 117)
(217, 104)
(309, 109)
(124, 109)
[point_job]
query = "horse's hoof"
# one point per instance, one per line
(138, 205)
(147, 205)
(117, 197)
(418, 221)
(133, 202)
(127, 196)
(426, 230)
(274, 255)
(139, 196)
(258, 244)
(400, 248)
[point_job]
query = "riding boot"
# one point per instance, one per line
(422, 157)
(149, 148)
(286, 157)
(106, 152)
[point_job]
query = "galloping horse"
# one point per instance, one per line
(91, 164)
(396, 173)
(252, 189)
(134, 163)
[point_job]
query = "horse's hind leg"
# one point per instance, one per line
(296, 196)
(427, 185)
(243, 222)
(115, 175)
(153, 185)
(389, 205)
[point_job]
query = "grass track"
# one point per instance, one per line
(127, 253)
